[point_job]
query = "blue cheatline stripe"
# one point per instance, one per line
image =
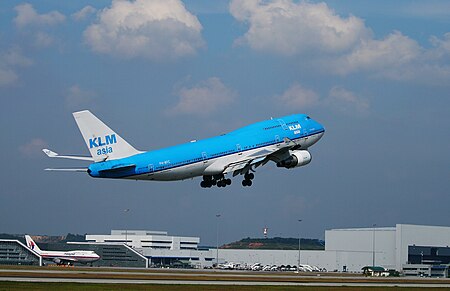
(195, 162)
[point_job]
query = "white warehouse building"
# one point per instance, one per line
(353, 248)
(345, 249)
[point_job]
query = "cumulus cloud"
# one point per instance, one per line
(441, 47)
(33, 147)
(10, 62)
(339, 99)
(289, 28)
(78, 98)
(398, 57)
(299, 97)
(339, 45)
(395, 51)
(34, 25)
(84, 13)
(27, 16)
(344, 100)
(204, 98)
(156, 29)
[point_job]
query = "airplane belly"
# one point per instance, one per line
(179, 173)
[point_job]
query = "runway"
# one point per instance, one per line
(180, 277)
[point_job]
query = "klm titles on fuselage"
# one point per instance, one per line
(104, 143)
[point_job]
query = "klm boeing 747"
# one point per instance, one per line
(285, 141)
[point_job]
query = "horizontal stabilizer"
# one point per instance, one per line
(52, 154)
(68, 170)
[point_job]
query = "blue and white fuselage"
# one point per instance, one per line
(284, 141)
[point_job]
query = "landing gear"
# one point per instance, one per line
(220, 181)
(248, 177)
(223, 183)
(247, 183)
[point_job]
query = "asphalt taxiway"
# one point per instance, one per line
(211, 277)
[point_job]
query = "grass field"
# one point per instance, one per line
(6, 286)
(194, 276)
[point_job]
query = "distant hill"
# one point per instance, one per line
(46, 238)
(276, 243)
(18, 237)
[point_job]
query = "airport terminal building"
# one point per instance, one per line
(160, 248)
(352, 249)
(348, 249)
(411, 249)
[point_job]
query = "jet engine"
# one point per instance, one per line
(296, 159)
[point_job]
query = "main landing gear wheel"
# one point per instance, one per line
(248, 177)
(209, 181)
(223, 183)
(247, 183)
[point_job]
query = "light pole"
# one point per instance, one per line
(373, 245)
(217, 240)
(126, 226)
(298, 267)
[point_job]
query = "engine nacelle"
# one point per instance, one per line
(297, 159)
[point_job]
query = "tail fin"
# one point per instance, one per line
(102, 142)
(32, 245)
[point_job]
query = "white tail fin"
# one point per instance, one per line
(32, 245)
(102, 142)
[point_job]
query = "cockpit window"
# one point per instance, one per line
(307, 117)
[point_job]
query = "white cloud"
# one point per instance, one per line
(13, 57)
(78, 98)
(26, 16)
(43, 39)
(441, 46)
(339, 45)
(339, 99)
(204, 98)
(289, 28)
(33, 147)
(397, 57)
(299, 97)
(10, 61)
(344, 100)
(395, 51)
(156, 29)
(84, 12)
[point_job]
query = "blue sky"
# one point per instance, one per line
(376, 74)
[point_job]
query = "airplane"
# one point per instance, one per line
(63, 258)
(285, 141)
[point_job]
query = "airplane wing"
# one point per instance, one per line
(253, 161)
(63, 260)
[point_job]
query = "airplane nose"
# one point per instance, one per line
(322, 130)
(320, 135)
